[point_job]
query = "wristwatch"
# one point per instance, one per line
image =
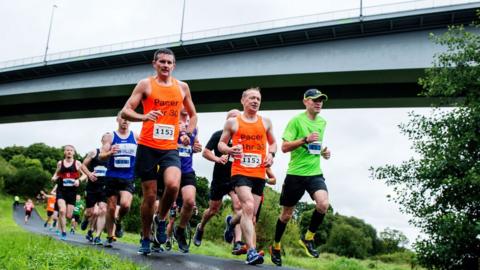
(305, 140)
(272, 153)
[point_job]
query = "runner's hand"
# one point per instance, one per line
(197, 147)
(223, 159)
(313, 137)
(92, 177)
(115, 148)
(152, 115)
(268, 161)
(326, 153)
(185, 139)
(76, 183)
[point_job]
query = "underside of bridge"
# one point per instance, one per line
(378, 89)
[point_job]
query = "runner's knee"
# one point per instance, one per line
(322, 206)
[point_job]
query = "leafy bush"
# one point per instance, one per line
(346, 240)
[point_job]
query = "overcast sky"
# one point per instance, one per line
(358, 138)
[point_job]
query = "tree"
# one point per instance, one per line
(7, 171)
(441, 187)
(8, 152)
(345, 240)
(393, 240)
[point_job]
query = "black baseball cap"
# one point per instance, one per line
(314, 94)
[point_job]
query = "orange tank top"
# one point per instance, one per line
(163, 133)
(253, 138)
(51, 203)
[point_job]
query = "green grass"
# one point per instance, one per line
(291, 259)
(24, 250)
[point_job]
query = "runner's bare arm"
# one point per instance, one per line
(139, 92)
(83, 176)
(197, 146)
(189, 107)
(272, 143)
(227, 134)
(85, 164)
(106, 150)
(55, 175)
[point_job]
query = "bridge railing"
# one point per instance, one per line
(339, 16)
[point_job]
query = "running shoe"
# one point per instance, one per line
(109, 242)
(197, 237)
(168, 244)
(145, 247)
(253, 257)
(309, 247)
(89, 235)
(179, 235)
(157, 248)
(97, 241)
(276, 256)
(84, 224)
(228, 234)
(63, 237)
(160, 235)
(239, 248)
(45, 225)
(118, 229)
(72, 231)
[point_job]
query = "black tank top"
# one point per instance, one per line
(99, 167)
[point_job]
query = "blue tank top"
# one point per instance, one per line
(186, 152)
(122, 164)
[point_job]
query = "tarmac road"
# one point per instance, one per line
(166, 260)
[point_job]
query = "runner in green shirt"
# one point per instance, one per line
(303, 137)
(77, 211)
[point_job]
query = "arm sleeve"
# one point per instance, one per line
(213, 142)
(290, 133)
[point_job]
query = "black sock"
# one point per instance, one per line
(279, 230)
(317, 219)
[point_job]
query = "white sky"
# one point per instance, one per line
(358, 138)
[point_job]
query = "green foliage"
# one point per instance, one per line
(47, 154)
(392, 240)
(132, 220)
(441, 188)
(346, 240)
(405, 256)
(29, 177)
(8, 152)
(7, 171)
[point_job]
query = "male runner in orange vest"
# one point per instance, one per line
(162, 97)
(250, 134)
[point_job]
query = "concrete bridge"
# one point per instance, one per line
(362, 61)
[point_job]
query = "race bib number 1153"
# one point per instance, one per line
(163, 132)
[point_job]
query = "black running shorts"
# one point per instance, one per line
(295, 186)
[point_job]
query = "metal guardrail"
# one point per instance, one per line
(239, 29)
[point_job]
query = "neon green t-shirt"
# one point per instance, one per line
(302, 162)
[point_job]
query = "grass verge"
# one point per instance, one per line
(23, 250)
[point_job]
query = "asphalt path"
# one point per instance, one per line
(165, 260)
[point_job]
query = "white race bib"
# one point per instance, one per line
(315, 148)
(250, 160)
(121, 162)
(100, 171)
(68, 182)
(184, 150)
(163, 132)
